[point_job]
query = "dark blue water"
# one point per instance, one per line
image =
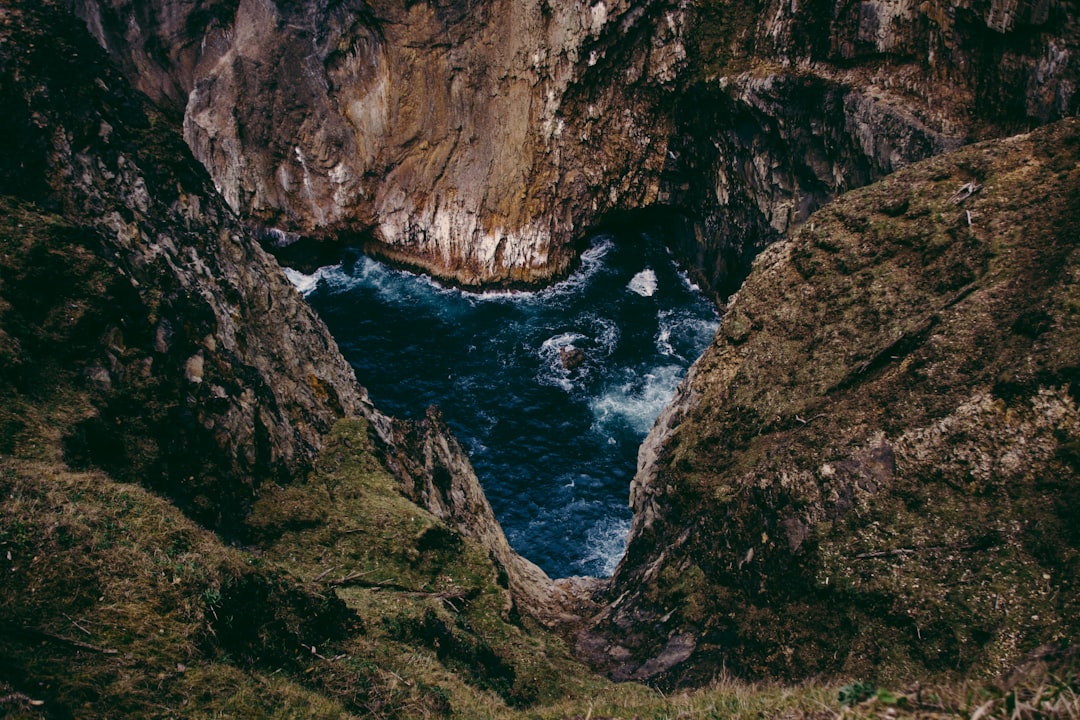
(553, 443)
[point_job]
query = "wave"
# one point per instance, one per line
(592, 262)
(605, 545)
(683, 335)
(637, 401)
(305, 283)
(569, 358)
(644, 283)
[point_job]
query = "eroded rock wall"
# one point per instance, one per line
(790, 104)
(479, 140)
(438, 129)
(872, 470)
(143, 330)
(209, 374)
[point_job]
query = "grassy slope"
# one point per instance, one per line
(348, 601)
(351, 601)
(879, 464)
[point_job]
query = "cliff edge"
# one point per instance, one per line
(873, 471)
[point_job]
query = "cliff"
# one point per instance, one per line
(788, 105)
(478, 141)
(199, 507)
(872, 470)
(435, 132)
(872, 473)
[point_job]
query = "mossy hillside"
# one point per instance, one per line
(53, 290)
(875, 475)
(353, 601)
(115, 603)
(435, 594)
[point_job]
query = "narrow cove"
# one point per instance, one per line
(550, 392)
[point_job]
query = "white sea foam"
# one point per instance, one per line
(592, 261)
(637, 401)
(682, 335)
(553, 371)
(605, 545)
(684, 276)
(644, 283)
(307, 283)
(595, 336)
(663, 342)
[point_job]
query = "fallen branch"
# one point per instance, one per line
(353, 580)
(37, 634)
(76, 624)
(885, 553)
(324, 573)
(912, 551)
(350, 578)
(18, 697)
(966, 190)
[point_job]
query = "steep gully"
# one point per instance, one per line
(477, 141)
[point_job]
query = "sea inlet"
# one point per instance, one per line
(550, 392)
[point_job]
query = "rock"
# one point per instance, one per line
(888, 455)
(478, 143)
(453, 137)
(437, 475)
(165, 288)
(571, 357)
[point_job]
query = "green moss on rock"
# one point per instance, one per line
(877, 479)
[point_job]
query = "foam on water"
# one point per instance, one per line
(553, 438)
(637, 400)
(307, 283)
(605, 546)
(644, 283)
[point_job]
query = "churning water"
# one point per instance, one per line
(550, 392)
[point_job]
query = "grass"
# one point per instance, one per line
(114, 602)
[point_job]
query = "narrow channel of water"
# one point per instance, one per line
(550, 392)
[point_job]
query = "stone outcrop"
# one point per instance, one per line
(133, 293)
(872, 471)
(478, 142)
(474, 141)
(881, 443)
(788, 105)
(190, 476)
(208, 373)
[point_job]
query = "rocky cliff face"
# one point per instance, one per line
(879, 446)
(872, 471)
(476, 141)
(134, 294)
(790, 104)
(166, 396)
(479, 140)
(208, 375)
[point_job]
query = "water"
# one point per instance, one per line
(550, 392)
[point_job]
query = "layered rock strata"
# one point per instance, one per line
(478, 142)
(788, 105)
(438, 130)
(872, 470)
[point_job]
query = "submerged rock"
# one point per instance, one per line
(571, 357)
